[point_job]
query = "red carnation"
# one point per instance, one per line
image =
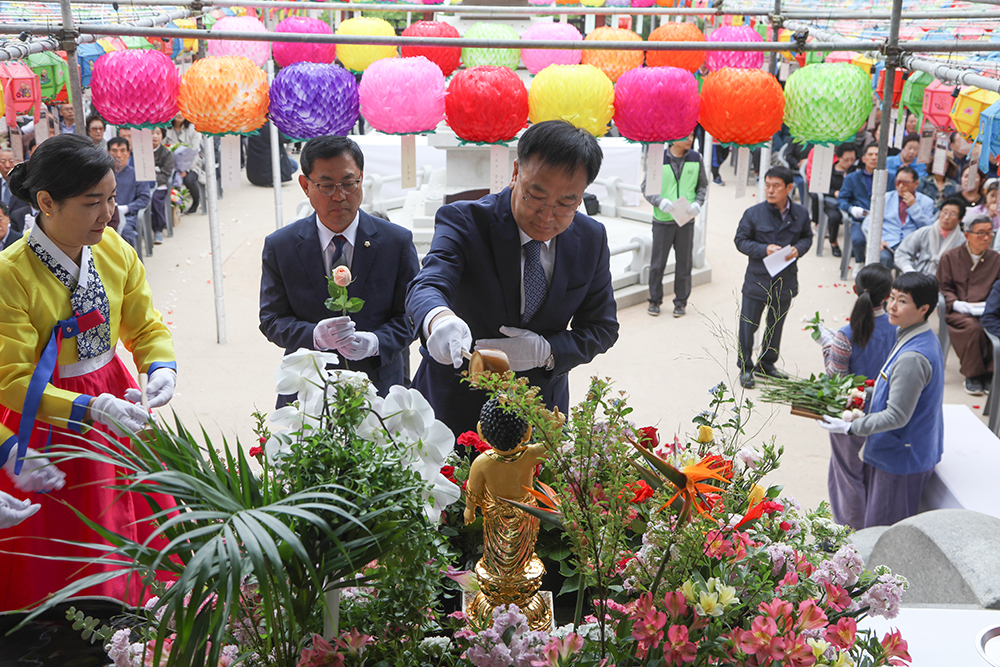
(256, 451)
(449, 472)
(472, 439)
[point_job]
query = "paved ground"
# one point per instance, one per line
(665, 365)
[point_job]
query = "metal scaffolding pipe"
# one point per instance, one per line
(314, 38)
(834, 15)
(75, 89)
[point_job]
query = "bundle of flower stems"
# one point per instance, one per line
(818, 395)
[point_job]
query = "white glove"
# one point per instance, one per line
(121, 416)
(525, 349)
(962, 307)
(834, 425)
(159, 389)
(333, 333)
(977, 309)
(857, 212)
(37, 474)
(695, 208)
(448, 338)
(364, 344)
(14, 511)
(666, 206)
(825, 336)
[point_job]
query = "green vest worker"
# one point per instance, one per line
(684, 180)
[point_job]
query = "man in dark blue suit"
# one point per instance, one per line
(7, 235)
(521, 271)
(298, 258)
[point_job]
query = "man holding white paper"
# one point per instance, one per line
(778, 228)
(682, 194)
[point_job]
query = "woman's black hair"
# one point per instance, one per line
(922, 288)
(873, 284)
(65, 166)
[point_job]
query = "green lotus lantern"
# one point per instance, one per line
(913, 94)
(509, 58)
(827, 103)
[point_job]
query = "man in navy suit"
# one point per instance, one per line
(521, 271)
(298, 258)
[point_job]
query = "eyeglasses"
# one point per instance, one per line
(329, 189)
(982, 235)
(537, 205)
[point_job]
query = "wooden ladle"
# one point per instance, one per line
(486, 361)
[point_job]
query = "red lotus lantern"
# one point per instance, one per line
(445, 57)
(938, 102)
(897, 87)
(728, 95)
(676, 32)
(486, 104)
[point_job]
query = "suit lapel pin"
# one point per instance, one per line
(368, 244)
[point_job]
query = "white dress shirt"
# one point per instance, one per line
(327, 246)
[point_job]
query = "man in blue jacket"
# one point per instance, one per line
(855, 198)
(132, 196)
(906, 211)
(765, 229)
(521, 271)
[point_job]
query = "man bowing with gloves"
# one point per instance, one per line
(520, 271)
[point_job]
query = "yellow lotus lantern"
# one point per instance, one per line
(970, 104)
(187, 24)
(865, 63)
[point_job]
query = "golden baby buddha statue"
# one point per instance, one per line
(509, 571)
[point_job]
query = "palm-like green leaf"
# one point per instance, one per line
(230, 525)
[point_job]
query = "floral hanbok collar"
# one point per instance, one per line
(85, 288)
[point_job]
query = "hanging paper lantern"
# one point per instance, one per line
(643, 3)
(656, 104)
(618, 3)
(313, 100)
(969, 105)
(184, 24)
(989, 135)
(716, 60)
(286, 53)
(53, 75)
(21, 91)
(827, 103)
(741, 106)
(135, 88)
(613, 63)
(357, 57)
(841, 57)
(538, 59)
(445, 57)
(913, 94)
(224, 95)
(580, 94)
(676, 32)
(486, 104)
(87, 55)
(938, 102)
(897, 86)
(500, 57)
(592, 3)
(540, 3)
(864, 63)
(257, 52)
(402, 95)
(567, 3)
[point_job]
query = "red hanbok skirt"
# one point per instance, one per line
(26, 580)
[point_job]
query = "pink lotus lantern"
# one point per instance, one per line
(938, 102)
(287, 53)
(137, 88)
(841, 57)
(643, 3)
(538, 59)
(403, 96)
(540, 3)
(257, 52)
(716, 60)
(656, 104)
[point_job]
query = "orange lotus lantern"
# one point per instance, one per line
(224, 95)
(728, 95)
(613, 63)
(938, 101)
(676, 32)
(968, 107)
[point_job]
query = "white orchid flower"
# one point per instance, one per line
(437, 443)
(407, 410)
(303, 370)
(277, 447)
(443, 493)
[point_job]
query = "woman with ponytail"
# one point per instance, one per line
(860, 348)
(72, 291)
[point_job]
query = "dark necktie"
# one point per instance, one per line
(5, 194)
(535, 285)
(339, 242)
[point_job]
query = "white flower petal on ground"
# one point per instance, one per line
(301, 370)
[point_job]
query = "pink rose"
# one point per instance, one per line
(342, 276)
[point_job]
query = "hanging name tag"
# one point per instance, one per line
(142, 152)
(900, 133)
(229, 161)
(42, 127)
(654, 169)
(784, 71)
(742, 171)
(871, 118)
(589, 23)
(408, 161)
(926, 149)
(16, 145)
(499, 167)
(822, 169)
(941, 154)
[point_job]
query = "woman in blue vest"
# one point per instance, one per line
(860, 348)
(904, 429)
